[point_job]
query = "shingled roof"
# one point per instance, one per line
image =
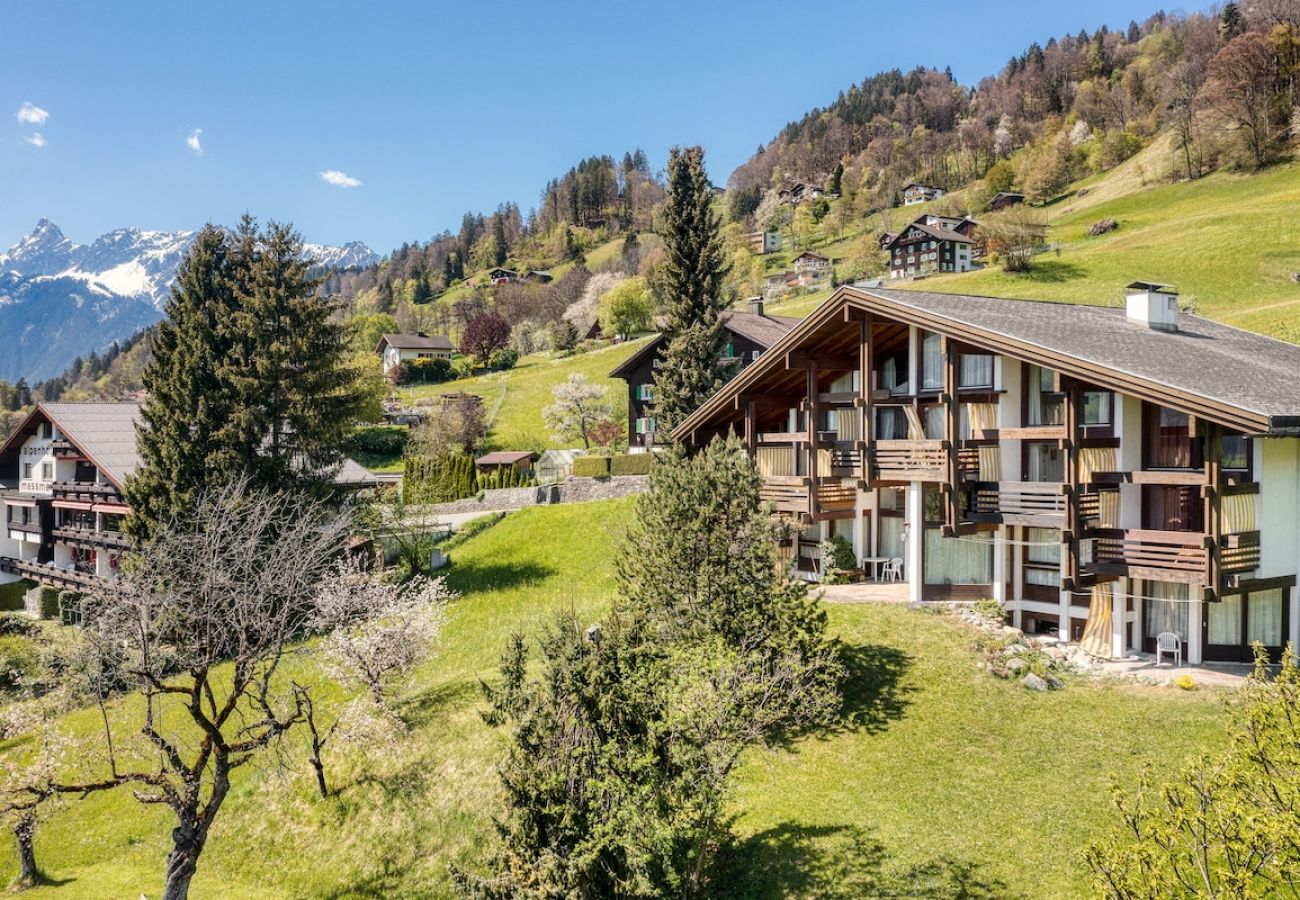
(1239, 378)
(105, 433)
(415, 342)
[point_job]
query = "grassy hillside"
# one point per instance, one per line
(514, 399)
(1230, 242)
(936, 770)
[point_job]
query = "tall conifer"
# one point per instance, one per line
(187, 402)
(694, 270)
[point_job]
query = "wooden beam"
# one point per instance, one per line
(828, 362)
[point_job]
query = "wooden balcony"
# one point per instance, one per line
(88, 537)
(846, 461)
(31, 531)
(796, 495)
(835, 500)
(63, 449)
(1239, 552)
(85, 491)
(1037, 504)
(910, 461)
(47, 573)
(787, 493)
(1181, 556)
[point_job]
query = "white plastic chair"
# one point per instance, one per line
(894, 569)
(1168, 642)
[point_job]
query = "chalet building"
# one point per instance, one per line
(748, 334)
(813, 263)
(923, 248)
(1109, 474)
(1003, 199)
(62, 473)
(538, 276)
(763, 242)
(397, 349)
(501, 275)
(916, 192)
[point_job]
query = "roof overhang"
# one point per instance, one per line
(847, 298)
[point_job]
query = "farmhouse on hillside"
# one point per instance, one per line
(748, 334)
(916, 192)
(398, 349)
(62, 473)
(930, 244)
(1003, 199)
(500, 275)
(1110, 474)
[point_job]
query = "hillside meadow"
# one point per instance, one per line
(937, 777)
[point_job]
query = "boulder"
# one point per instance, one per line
(1016, 665)
(1054, 683)
(1102, 227)
(1034, 683)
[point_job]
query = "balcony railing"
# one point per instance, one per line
(1239, 552)
(91, 538)
(85, 490)
(1159, 555)
(31, 528)
(836, 497)
(1039, 504)
(63, 449)
(47, 573)
(786, 493)
(910, 461)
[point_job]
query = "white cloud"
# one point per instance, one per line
(36, 139)
(339, 179)
(193, 141)
(30, 114)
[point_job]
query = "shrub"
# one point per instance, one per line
(20, 662)
(11, 595)
(17, 624)
(472, 528)
(837, 558)
(504, 359)
(438, 479)
(591, 466)
(425, 371)
(49, 603)
(989, 608)
(631, 464)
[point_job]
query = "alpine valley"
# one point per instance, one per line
(60, 300)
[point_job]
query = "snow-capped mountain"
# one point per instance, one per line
(60, 300)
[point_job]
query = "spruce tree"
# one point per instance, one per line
(694, 270)
(294, 398)
(187, 403)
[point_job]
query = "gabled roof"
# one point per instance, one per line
(415, 342)
(1237, 378)
(105, 434)
(762, 330)
(917, 184)
(935, 231)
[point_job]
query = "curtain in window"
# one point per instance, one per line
(895, 382)
(891, 536)
(775, 461)
(990, 464)
(823, 462)
(1238, 513)
(889, 426)
(978, 417)
(1044, 545)
(915, 427)
(931, 363)
(1224, 620)
(1264, 618)
(1035, 396)
(1096, 459)
(976, 370)
(968, 560)
(933, 422)
(1108, 509)
(1168, 609)
(1043, 577)
(846, 424)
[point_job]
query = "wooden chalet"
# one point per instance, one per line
(1109, 474)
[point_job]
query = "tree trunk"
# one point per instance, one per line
(319, 766)
(25, 835)
(183, 860)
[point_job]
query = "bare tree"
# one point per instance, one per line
(198, 625)
(1239, 91)
(578, 408)
(1016, 234)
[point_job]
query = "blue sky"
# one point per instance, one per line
(433, 110)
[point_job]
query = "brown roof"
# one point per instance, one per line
(935, 231)
(415, 342)
(1237, 378)
(763, 330)
(813, 253)
(505, 458)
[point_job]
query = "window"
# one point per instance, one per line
(27, 471)
(931, 363)
(1236, 452)
(1167, 609)
(952, 561)
(645, 425)
(1224, 621)
(976, 370)
(1264, 618)
(47, 430)
(645, 392)
(1046, 406)
(891, 423)
(1096, 407)
(47, 471)
(1044, 462)
(1168, 442)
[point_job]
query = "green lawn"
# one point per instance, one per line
(518, 396)
(938, 772)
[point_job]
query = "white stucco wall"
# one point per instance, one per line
(1277, 464)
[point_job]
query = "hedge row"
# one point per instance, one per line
(603, 466)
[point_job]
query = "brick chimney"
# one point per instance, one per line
(1153, 304)
(755, 305)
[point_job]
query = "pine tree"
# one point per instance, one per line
(1231, 22)
(694, 270)
(499, 238)
(187, 401)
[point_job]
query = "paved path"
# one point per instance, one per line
(863, 592)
